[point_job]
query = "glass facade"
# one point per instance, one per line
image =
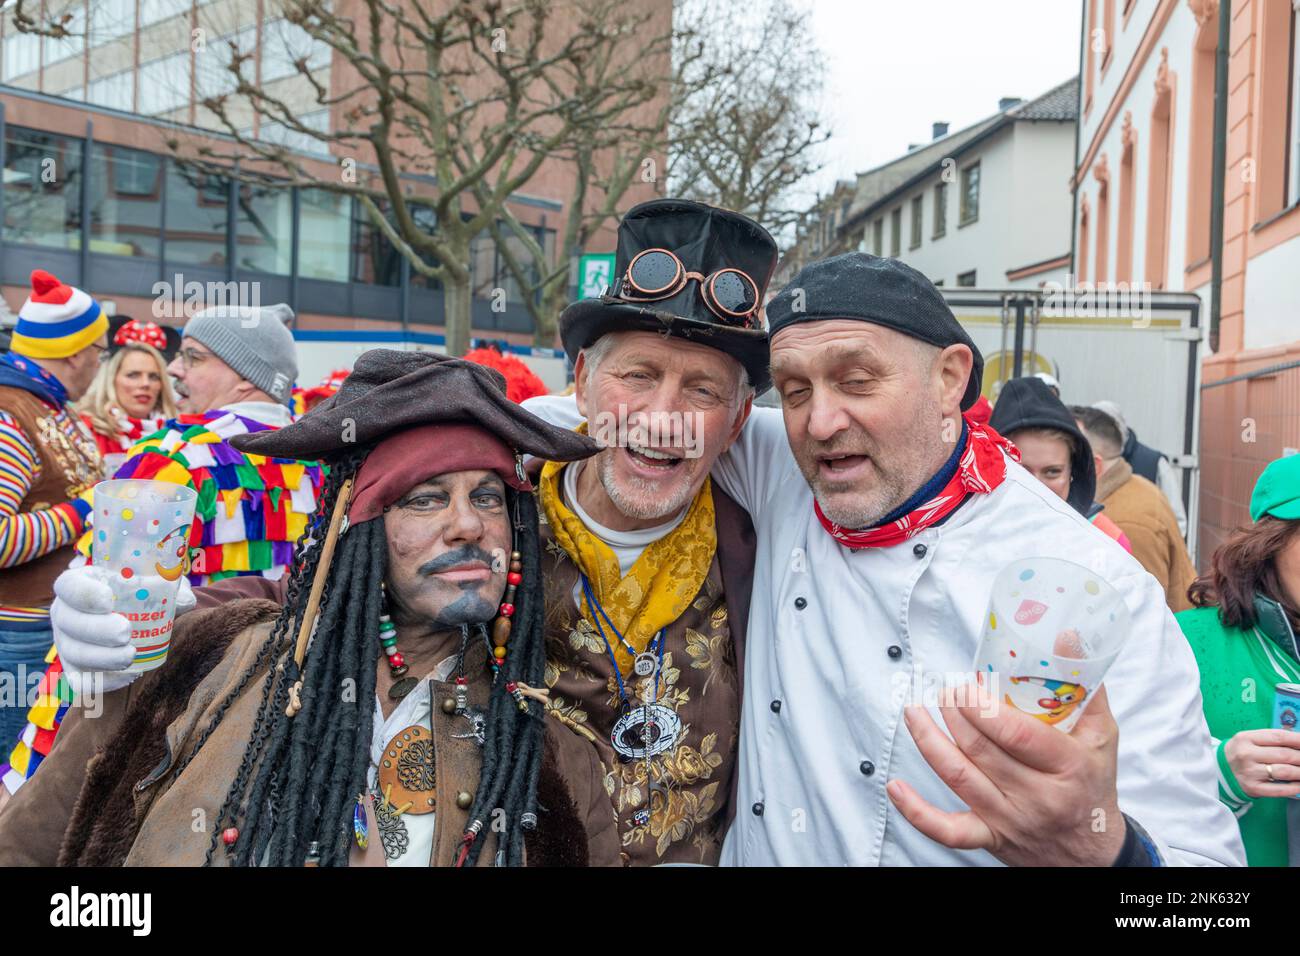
(324, 235)
(148, 217)
(264, 229)
(125, 201)
(22, 55)
(376, 261)
(165, 84)
(111, 19)
(42, 189)
(197, 204)
(116, 91)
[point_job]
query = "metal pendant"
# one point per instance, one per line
(477, 723)
(401, 688)
(646, 731)
(644, 665)
(392, 829)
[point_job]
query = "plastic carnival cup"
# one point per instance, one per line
(1052, 630)
(141, 536)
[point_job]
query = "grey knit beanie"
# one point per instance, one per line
(254, 341)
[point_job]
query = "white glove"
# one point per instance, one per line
(94, 642)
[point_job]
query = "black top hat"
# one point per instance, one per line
(705, 239)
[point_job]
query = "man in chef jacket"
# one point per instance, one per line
(878, 542)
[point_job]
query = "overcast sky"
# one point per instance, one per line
(896, 66)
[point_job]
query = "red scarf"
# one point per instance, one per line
(980, 469)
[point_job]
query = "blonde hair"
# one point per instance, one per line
(102, 393)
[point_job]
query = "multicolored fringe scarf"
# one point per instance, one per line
(53, 697)
(980, 469)
(251, 508)
(658, 588)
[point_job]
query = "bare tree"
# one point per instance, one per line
(474, 95)
(745, 125)
(608, 163)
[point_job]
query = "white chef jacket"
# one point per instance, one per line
(822, 626)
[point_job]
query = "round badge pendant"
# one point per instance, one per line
(644, 665)
(646, 731)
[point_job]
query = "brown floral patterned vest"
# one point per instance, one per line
(691, 787)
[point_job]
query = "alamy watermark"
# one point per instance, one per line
(655, 431)
(181, 299)
(924, 688)
(21, 689)
(1101, 300)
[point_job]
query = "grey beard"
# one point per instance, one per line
(645, 509)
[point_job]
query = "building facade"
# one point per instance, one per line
(93, 191)
(1143, 189)
(983, 206)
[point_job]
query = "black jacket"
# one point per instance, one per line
(1029, 403)
(1144, 459)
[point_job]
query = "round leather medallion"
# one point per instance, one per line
(407, 766)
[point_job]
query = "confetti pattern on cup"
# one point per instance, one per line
(1052, 629)
(150, 521)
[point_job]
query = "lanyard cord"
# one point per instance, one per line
(609, 648)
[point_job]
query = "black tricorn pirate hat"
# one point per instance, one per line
(390, 390)
(706, 239)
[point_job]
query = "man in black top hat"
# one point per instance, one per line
(648, 562)
(411, 729)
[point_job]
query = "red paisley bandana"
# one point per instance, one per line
(980, 469)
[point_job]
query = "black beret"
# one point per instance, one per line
(878, 290)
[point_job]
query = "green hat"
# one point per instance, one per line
(1277, 492)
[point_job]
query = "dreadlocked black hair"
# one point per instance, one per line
(300, 776)
(512, 748)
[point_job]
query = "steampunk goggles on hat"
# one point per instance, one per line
(657, 274)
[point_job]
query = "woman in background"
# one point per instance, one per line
(131, 395)
(1243, 628)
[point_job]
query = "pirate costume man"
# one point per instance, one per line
(297, 730)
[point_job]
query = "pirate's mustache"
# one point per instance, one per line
(464, 555)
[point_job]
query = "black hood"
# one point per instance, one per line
(1029, 403)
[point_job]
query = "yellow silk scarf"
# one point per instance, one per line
(658, 588)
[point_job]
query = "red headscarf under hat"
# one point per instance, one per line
(403, 460)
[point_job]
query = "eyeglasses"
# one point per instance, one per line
(103, 355)
(657, 274)
(191, 357)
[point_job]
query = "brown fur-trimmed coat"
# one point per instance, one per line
(106, 795)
